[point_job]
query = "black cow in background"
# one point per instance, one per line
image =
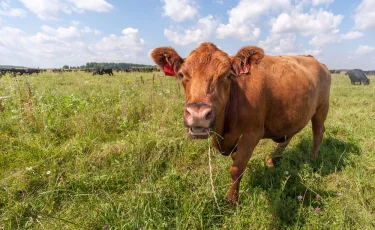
(18, 72)
(101, 71)
(358, 76)
(370, 72)
(3, 72)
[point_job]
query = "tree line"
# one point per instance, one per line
(121, 65)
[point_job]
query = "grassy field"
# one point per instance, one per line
(98, 152)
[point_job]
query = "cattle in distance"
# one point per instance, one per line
(358, 76)
(101, 71)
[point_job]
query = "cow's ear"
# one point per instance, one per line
(167, 59)
(245, 58)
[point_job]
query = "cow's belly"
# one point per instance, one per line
(287, 125)
(283, 133)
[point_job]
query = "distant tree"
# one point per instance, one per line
(89, 65)
(65, 67)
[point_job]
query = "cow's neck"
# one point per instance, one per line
(223, 140)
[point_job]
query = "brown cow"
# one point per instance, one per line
(247, 97)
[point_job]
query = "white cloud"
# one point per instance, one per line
(130, 31)
(42, 38)
(44, 9)
(324, 39)
(14, 13)
(280, 44)
(6, 10)
(13, 31)
(243, 18)
(75, 23)
(21, 48)
(305, 3)
(244, 32)
(319, 2)
(128, 47)
(364, 16)
(320, 24)
(352, 35)
(46, 49)
(49, 9)
(129, 40)
(86, 29)
(201, 32)
(93, 5)
(313, 23)
(363, 50)
(61, 32)
(89, 30)
(180, 10)
(316, 52)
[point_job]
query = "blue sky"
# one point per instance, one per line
(51, 33)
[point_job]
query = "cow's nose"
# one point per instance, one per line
(202, 116)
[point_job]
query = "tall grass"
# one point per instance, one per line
(98, 152)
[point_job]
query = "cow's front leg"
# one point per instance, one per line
(240, 158)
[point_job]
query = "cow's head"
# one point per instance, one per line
(206, 75)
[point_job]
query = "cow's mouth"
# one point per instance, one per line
(199, 132)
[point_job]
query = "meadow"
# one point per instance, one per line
(100, 152)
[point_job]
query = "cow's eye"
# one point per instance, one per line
(229, 76)
(180, 75)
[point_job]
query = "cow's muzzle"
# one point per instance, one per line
(199, 118)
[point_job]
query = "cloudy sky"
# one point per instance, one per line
(51, 33)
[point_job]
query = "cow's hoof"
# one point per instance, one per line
(232, 202)
(273, 161)
(314, 156)
(269, 163)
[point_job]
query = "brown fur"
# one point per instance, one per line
(268, 97)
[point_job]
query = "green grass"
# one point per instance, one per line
(92, 152)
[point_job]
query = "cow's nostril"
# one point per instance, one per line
(208, 116)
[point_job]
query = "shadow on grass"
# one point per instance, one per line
(298, 176)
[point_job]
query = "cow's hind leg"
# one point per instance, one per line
(281, 146)
(271, 161)
(318, 129)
